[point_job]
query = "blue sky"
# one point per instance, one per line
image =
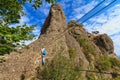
(107, 21)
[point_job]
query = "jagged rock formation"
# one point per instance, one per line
(71, 41)
(104, 43)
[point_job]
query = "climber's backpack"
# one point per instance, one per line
(44, 52)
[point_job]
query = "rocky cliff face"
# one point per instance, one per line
(104, 43)
(71, 53)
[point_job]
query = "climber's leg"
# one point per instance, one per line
(43, 60)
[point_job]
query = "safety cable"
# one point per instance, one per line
(95, 71)
(98, 11)
(58, 36)
(89, 17)
(61, 34)
(77, 20)
(84, 20)
(91, 10)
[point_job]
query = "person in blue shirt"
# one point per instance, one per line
(44, 52)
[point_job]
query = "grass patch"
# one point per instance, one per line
(60, 68)
(90, 76)
(103, 63)
(115, 62)
(87, 48)
(2, 60)
(72, 53)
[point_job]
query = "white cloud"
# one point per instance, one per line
(100, 19)
(86, 8)
(44, 8)
(77, 3)
(116, 40)
(81, 10)
(23, 20)
(30, 41)
(108, 22)
(36, 31)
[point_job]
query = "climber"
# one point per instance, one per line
(44, 52)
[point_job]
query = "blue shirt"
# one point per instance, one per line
(44, 52)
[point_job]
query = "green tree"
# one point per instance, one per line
(51, 1)
(11, 37)
(10, 10)
(10, 13)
